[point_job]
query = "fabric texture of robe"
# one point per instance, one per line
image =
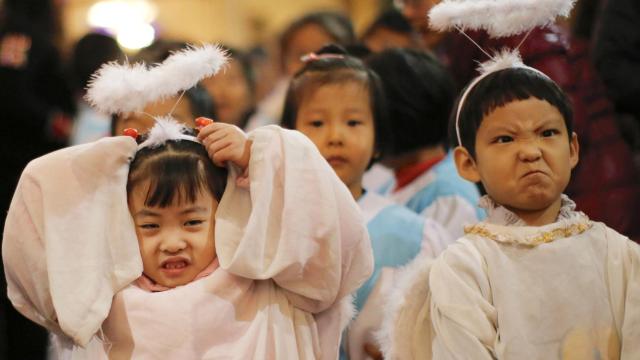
(566, 290)
(292, 247)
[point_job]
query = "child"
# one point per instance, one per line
(303, 36)
(536, 279)
(338, 103)
(420, 95)
(251, 272)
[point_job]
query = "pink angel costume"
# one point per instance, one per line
(291, 248)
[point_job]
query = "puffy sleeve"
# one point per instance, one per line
(69, 243)
(296, 224)
(462, 315)
(623, 272)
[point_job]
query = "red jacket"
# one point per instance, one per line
(604, 184)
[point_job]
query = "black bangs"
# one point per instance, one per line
(499, 89)
(176, 173)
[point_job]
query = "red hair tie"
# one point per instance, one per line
(131, 132)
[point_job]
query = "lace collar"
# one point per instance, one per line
(502, 225)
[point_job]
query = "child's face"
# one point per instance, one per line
(176, 242)
(143, 122)
(230, 92)
(338, 119)
(306, 39)
(523, 155)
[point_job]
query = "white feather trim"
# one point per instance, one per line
(121, 88)
(404, 306)
(499, 18)
(166, 128)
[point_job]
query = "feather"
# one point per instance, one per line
(501, 60)
(500, 18)
(165, 129)
(120, 88)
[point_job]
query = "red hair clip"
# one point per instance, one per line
(203, 121)
(131, 132)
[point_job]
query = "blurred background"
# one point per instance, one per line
(50, 48)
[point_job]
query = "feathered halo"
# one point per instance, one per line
(120, 88)
(499, 18)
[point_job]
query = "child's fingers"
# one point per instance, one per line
(215, 135)
(211, 128)
(214, 147)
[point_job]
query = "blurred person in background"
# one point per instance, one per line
(89, 53)
(35, 103)
(303, 36)
(617, 59)
(233, 89)
(389, 30)
(605, 184)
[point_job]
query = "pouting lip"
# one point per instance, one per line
(532, 172)
(174, 259)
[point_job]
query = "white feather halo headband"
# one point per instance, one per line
(120, 88)
(498, 17)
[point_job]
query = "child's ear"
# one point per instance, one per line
(466, 165)
(574, 150)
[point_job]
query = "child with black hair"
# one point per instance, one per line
(389, 30)
(420, 93)
(180, 246)
(338, 103)
(537, 279)
(304, 35)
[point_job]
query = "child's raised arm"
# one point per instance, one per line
(296, 223)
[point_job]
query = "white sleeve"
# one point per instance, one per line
(69, 242)
(297, 223)
(462, 314)
(623, 272)
(453, 212)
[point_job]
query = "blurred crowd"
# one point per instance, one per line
(595, 57)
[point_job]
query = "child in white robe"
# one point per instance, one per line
(337, 102)
(537, 279)
(261, 270)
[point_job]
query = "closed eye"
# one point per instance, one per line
(353, 123)
(316, 123)
(149, 226)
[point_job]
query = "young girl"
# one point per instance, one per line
(338, 103)
(537, 279)
(251, 272)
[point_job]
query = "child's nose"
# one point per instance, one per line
(336, 135)
(173, 243)
(529, 151)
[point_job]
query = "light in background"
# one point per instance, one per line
(129, 21)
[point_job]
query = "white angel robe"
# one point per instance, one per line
(566, 290)
(397, 236)
(440, 194)
(291, 249)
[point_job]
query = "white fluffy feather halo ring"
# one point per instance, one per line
(500, 18)
(120, 88)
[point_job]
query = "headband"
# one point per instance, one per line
(500, 18)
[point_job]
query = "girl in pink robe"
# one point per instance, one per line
(289, 248)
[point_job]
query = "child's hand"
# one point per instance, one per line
(224, 142)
